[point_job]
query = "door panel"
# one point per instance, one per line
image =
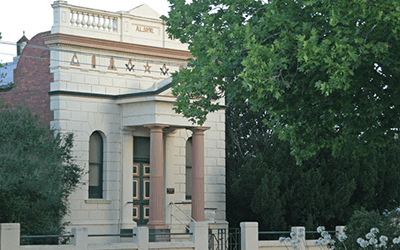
(141, 193)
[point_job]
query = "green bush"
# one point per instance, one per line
(361, 223)
(37, 174)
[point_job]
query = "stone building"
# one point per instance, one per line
(107, 80)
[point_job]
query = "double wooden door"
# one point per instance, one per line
(141, 180)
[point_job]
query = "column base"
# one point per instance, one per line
(156, 225)
(159, 235)
(158, 231)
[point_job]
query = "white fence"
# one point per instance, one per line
(10, 240)
(249, 239)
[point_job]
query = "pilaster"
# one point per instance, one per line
(126, 177)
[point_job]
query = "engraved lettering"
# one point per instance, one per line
(144, 29)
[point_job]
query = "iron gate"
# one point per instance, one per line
(223, 239)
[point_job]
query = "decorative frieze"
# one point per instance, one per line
(74, 60)
(147, 68)
(129, 66)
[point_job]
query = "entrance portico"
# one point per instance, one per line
(157, 133)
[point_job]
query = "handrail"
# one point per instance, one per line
(172, 215)
(95, 235)
(44, 236)
(105, 235)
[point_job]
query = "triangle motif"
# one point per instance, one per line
(74, 60)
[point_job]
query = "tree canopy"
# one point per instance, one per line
(265, 185)
(37, 173)
(326, 72)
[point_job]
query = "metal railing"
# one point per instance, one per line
(173, 204)
(268, 235)
(94, 235)
(46, 236)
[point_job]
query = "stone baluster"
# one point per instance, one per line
(89, 21)
(72, 21)
(78, 19)
(98, 22)
(94, 23)
(83, 21)
(104, 23)
(109, 23)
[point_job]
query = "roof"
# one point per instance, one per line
(144, 10)
(7, 72)
(23, 39)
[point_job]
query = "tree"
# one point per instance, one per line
(37, 173)
(264, 184)
(326, 72)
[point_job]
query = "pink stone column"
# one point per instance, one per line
(156, 220)
(198, 173)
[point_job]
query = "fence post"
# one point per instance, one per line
(249, 235)
(299, 235)
(9, 236)
(339, 230)
(141, 238)
(80, 239)
(199, 235)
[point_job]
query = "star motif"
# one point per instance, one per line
(147, 68)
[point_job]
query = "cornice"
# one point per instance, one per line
(113, 97)
(55, 39)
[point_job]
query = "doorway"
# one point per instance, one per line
(141, 180)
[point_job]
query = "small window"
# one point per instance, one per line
(146, 190)
(135, 190)
(189, 169)
(146, 170)
(141, 149)
(96, 166)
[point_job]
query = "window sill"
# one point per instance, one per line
(97, 201)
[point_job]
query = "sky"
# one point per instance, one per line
(35, 16)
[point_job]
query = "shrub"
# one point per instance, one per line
(363, 222)
(37, 173)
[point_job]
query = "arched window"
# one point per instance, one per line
(189, 169)
(96, 166)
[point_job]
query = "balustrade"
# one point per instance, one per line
(94, 21)
(124, 26)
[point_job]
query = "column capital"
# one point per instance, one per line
(199, 129)
(155, 126)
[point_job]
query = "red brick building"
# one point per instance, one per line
(32, 78)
